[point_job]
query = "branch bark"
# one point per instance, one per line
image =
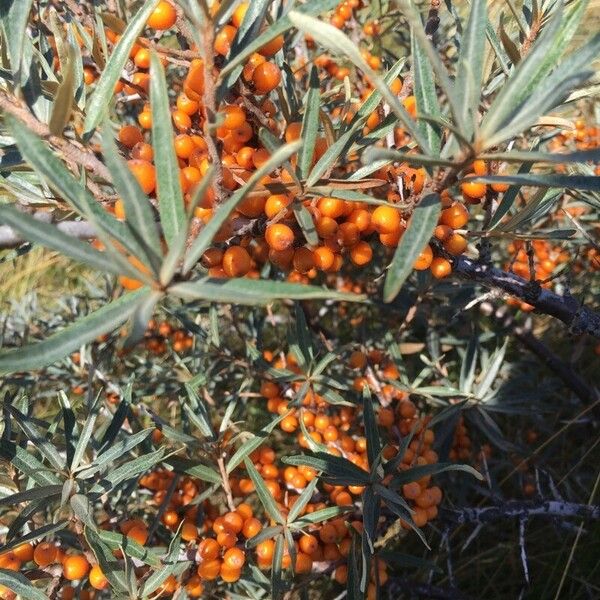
(523, 510)
(71, 152)
(580, 319)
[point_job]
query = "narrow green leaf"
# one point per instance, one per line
(65, 96)
(580, 156)
(374, 154)
(304, 498)
(138, 210)
(19, 584)
(469, 76)
(331, 465)
(28, 464)
(50, 236)
(305, 220)
(138, 324)
(425, 94)
(417, 235)
(170, 196)
(416, 473)
(310, 123)
(40, 440)
(253, 291)
(337, 41)
(524, 79)
(263, 493)
(14, 20)
(127, 471)
(35, 493)
(588, 183)
(206, 235)
(69, 339)
(195, 469)
(319, 516)
(38, 533)
(280, 26)
(437, 65)
(345, 141)
(252, 444)
(105, 86)
(371, 431)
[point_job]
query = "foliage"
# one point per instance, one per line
(280, 360)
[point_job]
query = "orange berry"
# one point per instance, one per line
(424, 259)
(456, 244)
(272, 47)
(234, 558)
(361, 253)
(229, 575)
(236, 261)
(252, 527)
(304, 563)
(473, 190)
(163, 16)
(208, 550)
(279, 236)
(24, 552)
(386, 220)
(234, 116)
(145, 174)
(75, 566)
(223, 39)
(97, 579)
(455, 216)
(209, 569)
(266, 77)
(440, 268)
(44, 554)
(130, 135)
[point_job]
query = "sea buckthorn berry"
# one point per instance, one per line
(272, 47)
(303, 564)
(440, 267)
(234, 116)
(455, 216)
(361, 253)
(424, 259)
(293, 131)
(163, 16)
(229, 575)
(130, 135)
(386, 220)
(209, 569)
(266, 77)
(187, 105)
(252, 527)
(456, 244)
(97, 579)
(236, 261)
(234, 558)
(479, 167)
(500, 188)
(184, 146)
(142, 151)
(331, 207)
(473, 190)
(45, 554)
(323, 258)
(303, 260)
(279, 236)
(24, 552)
(275, 204)
(75, 567)
(239, 13)
(223, 39)
(145, 174)
(208, 550)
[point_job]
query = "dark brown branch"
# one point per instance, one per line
(70, 151)
(523, 510)
(567, 309)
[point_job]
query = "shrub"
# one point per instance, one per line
(283, 360)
